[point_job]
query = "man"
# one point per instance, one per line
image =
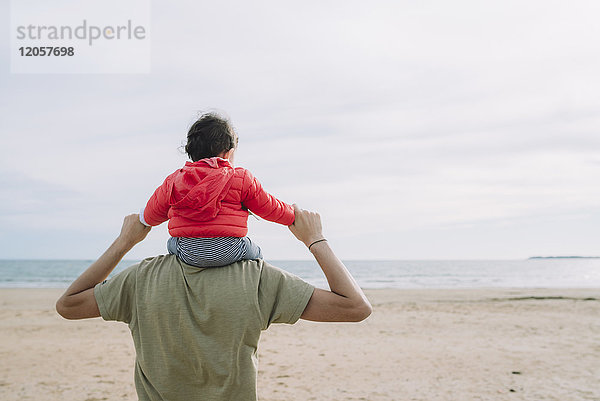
(196, 330)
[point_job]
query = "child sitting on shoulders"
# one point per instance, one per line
(207, 201)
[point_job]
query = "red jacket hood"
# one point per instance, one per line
(201, 186)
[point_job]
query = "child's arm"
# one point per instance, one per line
(263, 204)
(157, 208)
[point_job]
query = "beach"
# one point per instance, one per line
(467, 344)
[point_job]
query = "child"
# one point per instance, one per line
(207, 201)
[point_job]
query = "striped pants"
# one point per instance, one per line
(213, 252)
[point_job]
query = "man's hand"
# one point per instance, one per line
(78, 301)
(133, 231)
(307, 226)
(345, 302)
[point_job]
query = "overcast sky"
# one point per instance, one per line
(419, 130)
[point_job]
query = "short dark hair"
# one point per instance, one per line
(209, 136)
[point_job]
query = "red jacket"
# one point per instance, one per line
(211, 198)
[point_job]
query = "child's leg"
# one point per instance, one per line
(172, 245)
(253, 251)
(213, 252)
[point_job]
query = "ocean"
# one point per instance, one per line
(531, 273)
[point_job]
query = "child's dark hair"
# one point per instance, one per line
(209, 136)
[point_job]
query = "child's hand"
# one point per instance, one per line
(307, 226)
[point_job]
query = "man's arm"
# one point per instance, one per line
(78, 301)
(346, 301)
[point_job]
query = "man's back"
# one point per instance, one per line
(196, 331)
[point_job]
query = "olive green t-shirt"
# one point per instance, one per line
(196, 330)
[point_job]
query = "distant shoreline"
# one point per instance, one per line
(565, 257)
(523, 273)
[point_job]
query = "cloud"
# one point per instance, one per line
(22, 195)
(384, 116)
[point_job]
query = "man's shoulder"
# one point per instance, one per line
(259, 271)
(153, 261)
(242, 267)
(282, 295)
(157, 266)
(158, 259)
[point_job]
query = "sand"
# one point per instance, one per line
(497, 344)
